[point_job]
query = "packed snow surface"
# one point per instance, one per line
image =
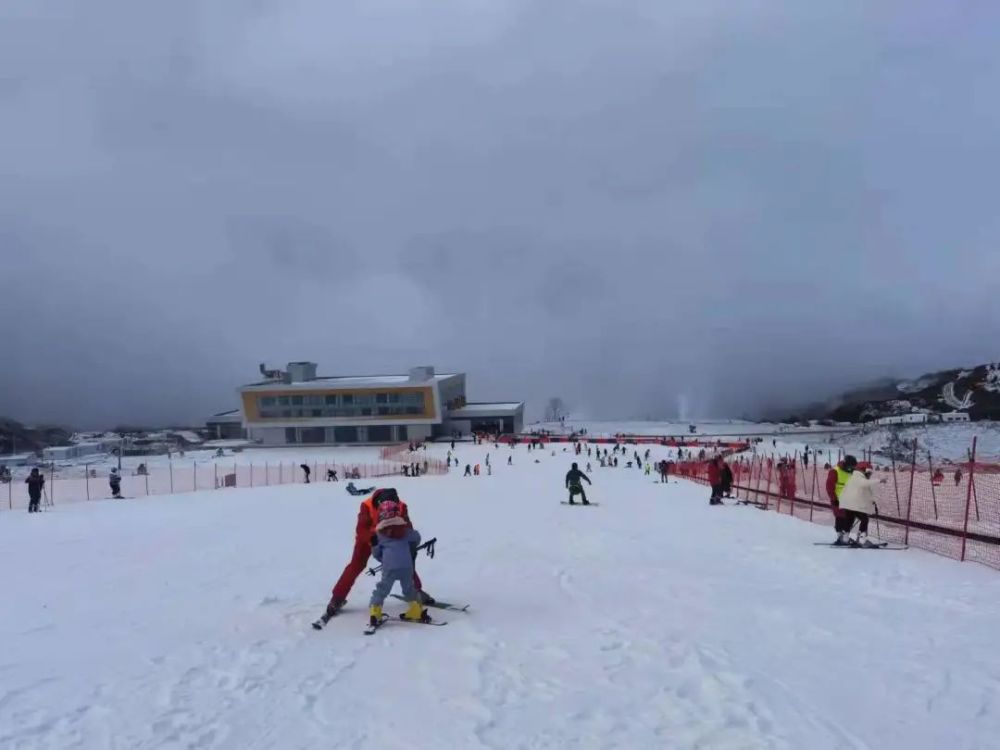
(649, 621)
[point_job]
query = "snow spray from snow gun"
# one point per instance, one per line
(428, 545)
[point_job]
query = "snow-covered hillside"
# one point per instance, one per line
(651, 620)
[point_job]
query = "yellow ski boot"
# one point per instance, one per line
(375, 612)
(415, 613)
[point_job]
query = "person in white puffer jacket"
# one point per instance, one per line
(857, 500)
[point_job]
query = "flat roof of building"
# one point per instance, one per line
(233, 415)
(486, 409)
(346, 381)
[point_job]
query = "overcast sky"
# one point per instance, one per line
(616, 201)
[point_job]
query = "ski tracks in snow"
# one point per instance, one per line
(601, 680)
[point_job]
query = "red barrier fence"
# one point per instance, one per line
(623, 439)
(953, 511)
(199, 477)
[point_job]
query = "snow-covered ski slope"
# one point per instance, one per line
(652, 621)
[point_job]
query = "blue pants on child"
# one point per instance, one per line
(384, 586)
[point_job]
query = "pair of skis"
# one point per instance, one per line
(871, 545)
(385, 618)
(326, 617)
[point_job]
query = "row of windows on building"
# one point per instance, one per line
(370, 434)
(341, 405)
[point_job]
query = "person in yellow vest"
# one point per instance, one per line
(836, 480)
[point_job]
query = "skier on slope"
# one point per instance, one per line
(857, 503)
(364, 538)
(715, 480)
(574, 483)
(36, 483)
(836, 480)
(395, 548)
(726, 478)
(115, 482)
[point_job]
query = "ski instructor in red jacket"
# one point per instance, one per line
(364, 533)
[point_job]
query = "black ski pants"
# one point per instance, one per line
(850, 516)
(576, 489)
(33, 501)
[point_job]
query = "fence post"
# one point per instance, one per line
(52, 483)
(930, 468)
(86, 478)
(267, 475)
(968, 496)
(251, 475)
(147, 484)
(895, 486)
(760, 475)
(171, 465)
(812, 492)
(281, 473)
(10, 492)
(909, 499)
(216, 475)
(236, 476)
(770, 471)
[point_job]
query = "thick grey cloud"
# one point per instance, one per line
(618, 202)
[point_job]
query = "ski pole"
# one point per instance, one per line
(878, 531)
(428, 545)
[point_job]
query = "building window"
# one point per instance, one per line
(296, 400)
(345, 434)
(291, 435)
(265, 402)
(380, 434)
(347, 399)
(331, 400)
(317, 412)
(282, 400)
(401, 432)
(313, 434)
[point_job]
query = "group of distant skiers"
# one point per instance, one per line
(36, 488)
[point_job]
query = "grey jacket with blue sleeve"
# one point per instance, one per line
(396, 554)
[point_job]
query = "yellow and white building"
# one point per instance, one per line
(297, 407)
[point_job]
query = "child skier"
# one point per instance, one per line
(395, 549)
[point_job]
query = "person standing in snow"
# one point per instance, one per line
(305, 470)
(836, 480)
(331, 475)
(36, 483)
(468, 470)
(574, 483)
(715, 481)
(857, 502)
(395, 545)
(726, 478)
(115, 482)
(510, 460)
(365, 534)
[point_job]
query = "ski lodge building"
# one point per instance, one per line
(297, 407)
